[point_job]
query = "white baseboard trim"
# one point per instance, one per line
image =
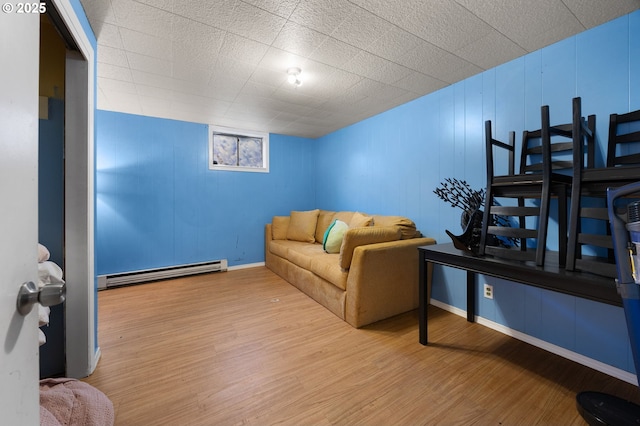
(245, 266)
(565, 353)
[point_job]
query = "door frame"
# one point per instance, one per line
(81, 349)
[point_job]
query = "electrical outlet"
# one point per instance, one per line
(488, 291)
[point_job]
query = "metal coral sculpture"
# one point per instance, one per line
(459, 194)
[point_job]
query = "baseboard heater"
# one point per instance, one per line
(135, 277)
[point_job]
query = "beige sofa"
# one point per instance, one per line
(374, 275)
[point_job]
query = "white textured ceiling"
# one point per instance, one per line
(224, 62)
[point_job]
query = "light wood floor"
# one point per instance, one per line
(245, 347)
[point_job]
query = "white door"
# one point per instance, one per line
(19, 59)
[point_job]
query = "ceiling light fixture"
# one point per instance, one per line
(294, 76)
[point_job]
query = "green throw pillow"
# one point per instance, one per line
(333, 236)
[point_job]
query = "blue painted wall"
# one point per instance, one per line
(159, 205)
(390, 164)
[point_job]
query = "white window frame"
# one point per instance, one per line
(213, 130)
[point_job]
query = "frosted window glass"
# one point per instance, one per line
(235, 150)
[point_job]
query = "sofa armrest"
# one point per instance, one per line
(383, 280)
(356, 237)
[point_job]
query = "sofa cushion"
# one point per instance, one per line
(279, 226)
(333, 236)
(325, 217)
(355, 237)
(328, 268)
(359, 220)
(311, 257)
(302, 226)
(284, 248)
(302, 254)
(279, 248)
(407, 227)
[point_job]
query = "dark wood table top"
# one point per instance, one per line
(550, 276)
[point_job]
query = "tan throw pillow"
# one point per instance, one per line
(302, 226)
(325, 218)
(407, 227)
(355, 237)
(343, 216)
(359, 220)
(279, 226)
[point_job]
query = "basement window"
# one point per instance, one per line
(238, 150)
